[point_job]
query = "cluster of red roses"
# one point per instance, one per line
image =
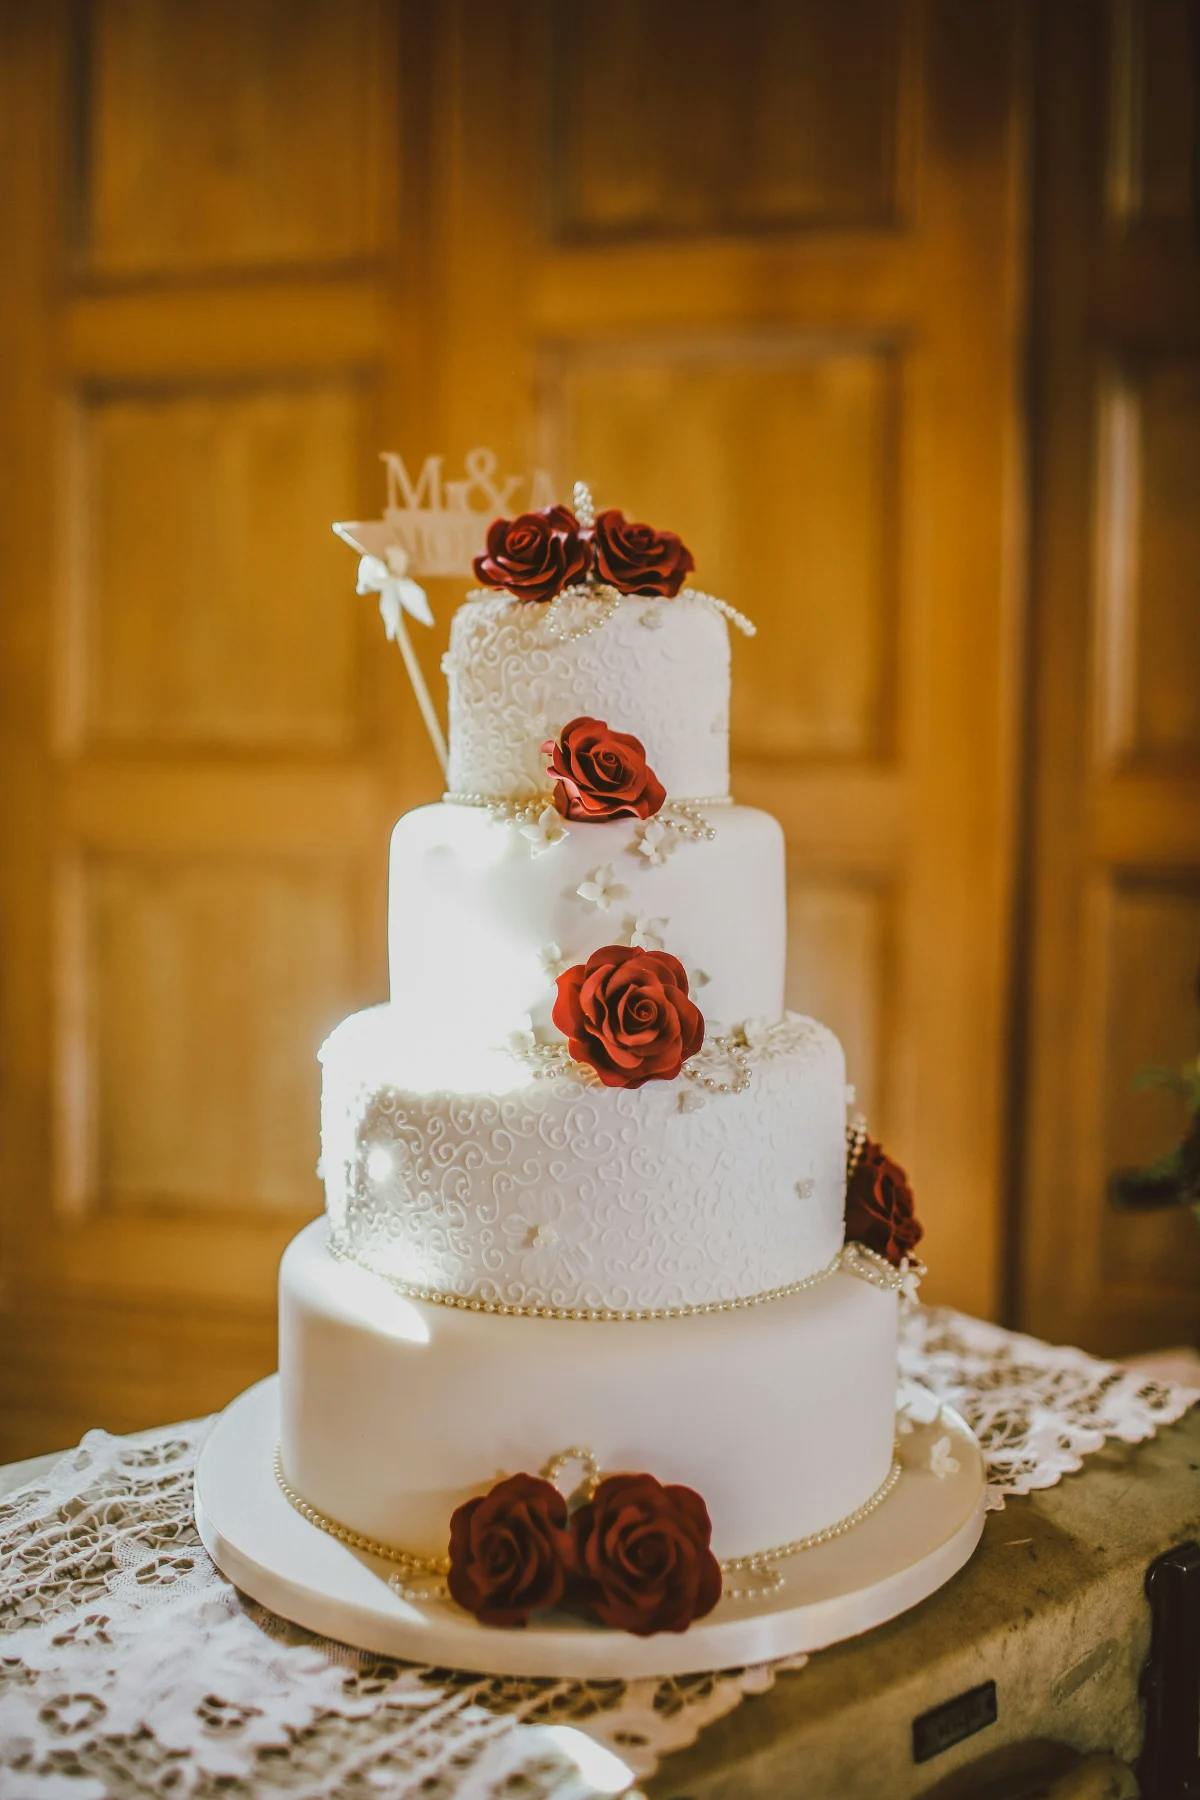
(634, 1557)
(538, 554)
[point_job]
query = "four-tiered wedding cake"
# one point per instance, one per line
(586, 1178)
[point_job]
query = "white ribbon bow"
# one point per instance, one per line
(397, 593)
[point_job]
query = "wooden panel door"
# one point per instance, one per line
(1116, 915)
(754, 273)
(205, 330)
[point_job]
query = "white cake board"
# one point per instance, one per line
(919, 1537)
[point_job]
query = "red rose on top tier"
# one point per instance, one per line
(637, 559)
(536, 555)
(601, 774)
(643, 1557)
(511, 1551)
(879, 1206)
(626, 1013)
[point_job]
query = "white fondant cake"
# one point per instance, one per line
(585, 1179)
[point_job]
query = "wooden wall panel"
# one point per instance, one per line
(1148, 552)
(1151, 954)
(841, 957)
(223, 133)
(1151, 112)
(779, 462)
(1115, 827)
(206, 595)
(193, 994)
(688, 117)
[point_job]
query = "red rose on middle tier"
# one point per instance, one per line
(601, 774)
(626, 1014)
(637, 559)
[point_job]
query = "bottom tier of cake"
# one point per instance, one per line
(394, 1411)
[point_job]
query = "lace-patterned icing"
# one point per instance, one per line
(128, 1665)
(513, 682)
(565, 1194)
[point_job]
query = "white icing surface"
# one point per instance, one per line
(656, 668)
(471, 910)
(558, 1193)
(395, 1411)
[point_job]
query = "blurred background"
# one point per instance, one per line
(890, 307)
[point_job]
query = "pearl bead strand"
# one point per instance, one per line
(605, 1314)
(763, 1561)
(739, 1061)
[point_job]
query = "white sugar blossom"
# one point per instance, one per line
(918, 1402)
(942, 1460)
(655, 841)
(552, 960)
(543, 832)
(756, 1032)
(691, 1099)
(521, 1042)
(647, 934)
(699, 978)
(601, 888)
(904, 1425)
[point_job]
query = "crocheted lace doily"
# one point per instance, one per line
(129, 1666)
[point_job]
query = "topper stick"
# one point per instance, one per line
(428, 712)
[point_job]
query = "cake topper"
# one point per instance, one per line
(430, 526)
(441, 524)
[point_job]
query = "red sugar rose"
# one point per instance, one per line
(601, 774)
(536, 555)
(637, 559)
(626, 1013)
(879, 1206)
(643, 1557)
(511, 1551)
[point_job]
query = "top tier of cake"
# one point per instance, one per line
(517, 673)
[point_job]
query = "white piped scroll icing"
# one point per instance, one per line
(563, 1193)
(514, 682)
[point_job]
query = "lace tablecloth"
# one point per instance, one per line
(128, 1666)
